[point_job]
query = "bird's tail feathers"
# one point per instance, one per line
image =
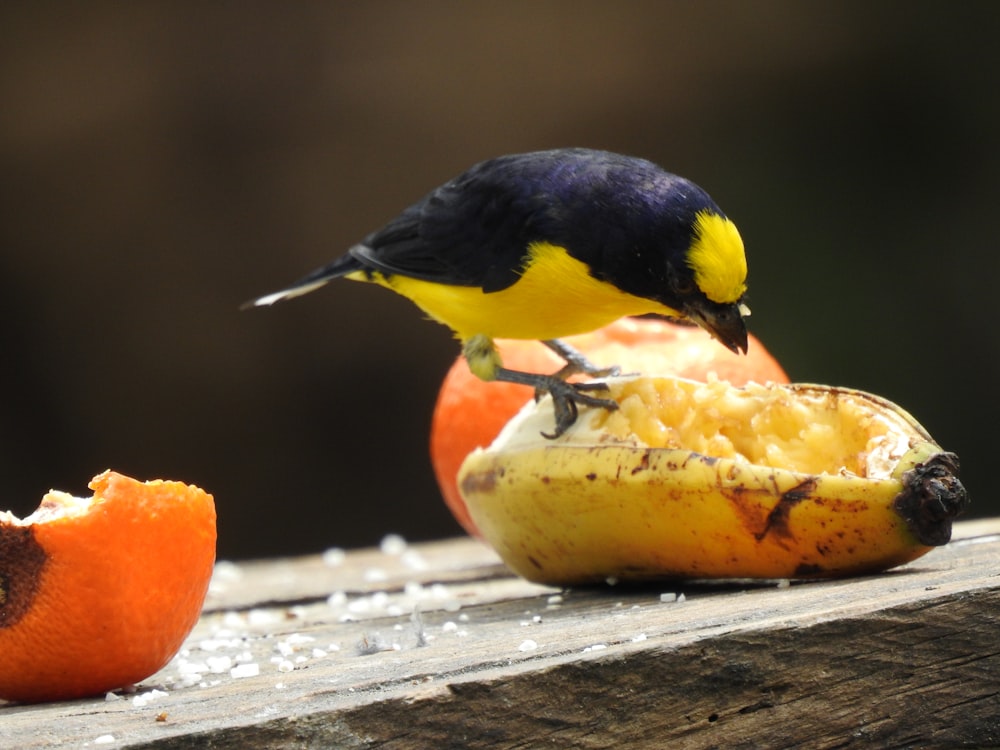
(340, 267)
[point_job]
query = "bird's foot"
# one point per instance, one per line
(566, 396)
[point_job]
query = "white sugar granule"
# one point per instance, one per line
(392, 544)
(245, 670)
(334, 557)
(219, 664)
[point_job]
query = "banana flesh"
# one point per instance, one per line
(696, 480)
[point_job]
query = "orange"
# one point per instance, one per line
(99, 593)
(470, 413)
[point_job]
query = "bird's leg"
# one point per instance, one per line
(484, 361)
(576, 363)
(565, 396)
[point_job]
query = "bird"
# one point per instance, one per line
(547, 244)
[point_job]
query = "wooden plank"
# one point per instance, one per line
(900, 659)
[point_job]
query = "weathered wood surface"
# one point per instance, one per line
(910, 658)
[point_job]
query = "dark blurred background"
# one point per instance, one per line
(161, 162)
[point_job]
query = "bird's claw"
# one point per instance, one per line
(566, 396)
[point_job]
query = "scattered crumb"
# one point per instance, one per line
(219, 664)
(414, 589)
(218, 644)
(227, 570)
(259, 616)
(784, 583)
(146, 698)
(393, 544)
(527, 645)
(638, 638)
(413, 560)
(251, 669)
(595, 647)
(668, 598)
(334, 557)
(105, 739)
(375, 575)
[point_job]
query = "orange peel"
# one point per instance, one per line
(99, 593)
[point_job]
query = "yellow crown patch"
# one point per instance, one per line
(717, 258)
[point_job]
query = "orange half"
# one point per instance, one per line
(99, 593)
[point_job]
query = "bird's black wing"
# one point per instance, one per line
(472, 231)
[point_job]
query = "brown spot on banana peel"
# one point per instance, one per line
(643, 464)
(21, 562)
(748, 506)
(751, 500)
(932, 497)
(481, 481)
(777, 519)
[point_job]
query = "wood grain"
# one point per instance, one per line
(436, 646)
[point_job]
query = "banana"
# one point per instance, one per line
(705, 480)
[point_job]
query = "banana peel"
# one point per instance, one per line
(705, 480)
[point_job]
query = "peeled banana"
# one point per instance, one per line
(705, 480)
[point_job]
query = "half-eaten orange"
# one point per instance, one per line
(99, 593)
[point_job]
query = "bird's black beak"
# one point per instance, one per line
(724, 322)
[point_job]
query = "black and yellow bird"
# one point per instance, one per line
(549, 244)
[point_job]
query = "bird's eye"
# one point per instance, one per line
(684, 287)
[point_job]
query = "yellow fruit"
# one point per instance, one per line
(470, 412)
(706, 480)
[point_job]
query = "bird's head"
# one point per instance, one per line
(690, 259)
(651, 234)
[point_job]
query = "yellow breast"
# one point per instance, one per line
(556, 296)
